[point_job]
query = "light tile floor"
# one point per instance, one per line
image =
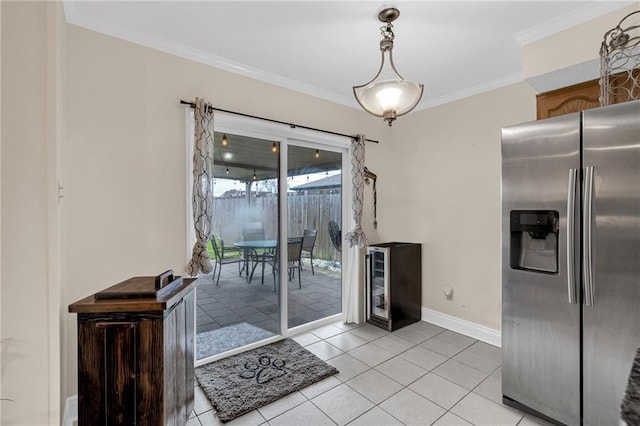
(419, 375)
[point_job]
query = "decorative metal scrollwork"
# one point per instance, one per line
(620, 62)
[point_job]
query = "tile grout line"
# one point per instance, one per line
(407, 386)
(447, 410)
(374, 367)
(414, 345)
(369, 368)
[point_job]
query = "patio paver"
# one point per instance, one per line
(235, 301)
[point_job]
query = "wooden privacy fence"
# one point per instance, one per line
(306, 211)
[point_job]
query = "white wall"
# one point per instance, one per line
(122, 158)
(26, 374)
(440, 186)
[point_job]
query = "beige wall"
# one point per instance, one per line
(122, 159)
(440, 186)
(1, 206)
(572, 46)
(122, 164)
(25, 291)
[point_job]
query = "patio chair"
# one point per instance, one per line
(251, 256)
(336, 235)
(308, 243)
(253, 234)
(225, 251)
(221, 260)
(294, 252)
(255, 256)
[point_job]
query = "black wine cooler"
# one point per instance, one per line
(394, 284)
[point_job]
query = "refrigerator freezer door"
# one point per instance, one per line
(540, 327)
(612, 326)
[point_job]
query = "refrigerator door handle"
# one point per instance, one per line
(586, 237)
(571, 235)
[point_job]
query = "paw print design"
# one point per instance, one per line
(264, 370)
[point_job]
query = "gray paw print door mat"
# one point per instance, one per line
(250, 380)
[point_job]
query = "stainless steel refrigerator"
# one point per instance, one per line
(571, 263)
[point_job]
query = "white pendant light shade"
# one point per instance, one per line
(390, 98)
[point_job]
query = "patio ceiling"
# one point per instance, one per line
(243, 156)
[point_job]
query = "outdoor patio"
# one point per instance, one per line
(235, 301)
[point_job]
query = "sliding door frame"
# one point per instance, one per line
(260, 129)
(344, 196)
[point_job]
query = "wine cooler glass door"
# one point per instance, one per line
(378, 284)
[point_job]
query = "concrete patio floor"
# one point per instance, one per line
(235, 301)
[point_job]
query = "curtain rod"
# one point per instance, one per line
(293, 126)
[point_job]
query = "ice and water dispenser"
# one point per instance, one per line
(534, 240)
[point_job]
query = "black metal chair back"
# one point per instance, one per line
(221, 260)
(294, 254)
(253, 234)
(308, 243)
(336, 235)
(216, 250)
(309, 239)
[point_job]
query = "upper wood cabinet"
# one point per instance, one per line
(569, 99)
(587, 95)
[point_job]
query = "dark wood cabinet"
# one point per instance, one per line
(136, 357)
(394, 284)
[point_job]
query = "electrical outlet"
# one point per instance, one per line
(448, 293)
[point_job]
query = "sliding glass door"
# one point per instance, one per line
(314, 200)
(238, 304)
(275, 240)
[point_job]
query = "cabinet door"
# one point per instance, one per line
(378, 285)
(190, 328)
(569, 99)
(107, 372)
(171, 375)
(151, 391)
(179, 359)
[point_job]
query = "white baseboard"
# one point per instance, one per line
(468, 328)
(70, 417)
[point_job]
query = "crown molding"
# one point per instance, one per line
(567, 21)
(178, 49)
(471, 91)
(75, 17)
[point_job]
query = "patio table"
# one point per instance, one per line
(254, 246)
(265, 246)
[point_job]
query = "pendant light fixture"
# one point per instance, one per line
(225, 141)
(390, 98)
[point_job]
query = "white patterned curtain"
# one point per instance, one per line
(351, 309)
(357, 236)
(202, 187)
